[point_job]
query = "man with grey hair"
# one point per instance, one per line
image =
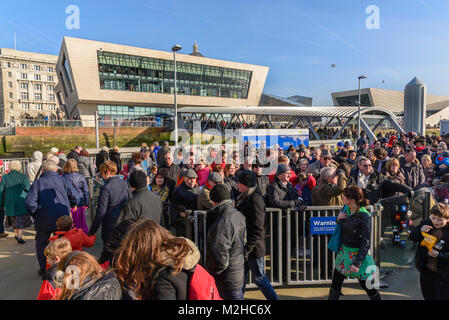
(50, 197)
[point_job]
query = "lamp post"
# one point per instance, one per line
(359, 102)
(176, 48)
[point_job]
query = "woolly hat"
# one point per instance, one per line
(138, 179)
(219, 193)
(215, 177)
(282, 168)
(247, 178)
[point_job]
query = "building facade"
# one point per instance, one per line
(129, 83)
(28, 82)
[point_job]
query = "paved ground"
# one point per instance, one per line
(19, 279)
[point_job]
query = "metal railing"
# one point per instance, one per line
(89, 123)
(293, 255)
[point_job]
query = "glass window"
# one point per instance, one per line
(50, 78)
(23, 66)
(37, 68)
(11, 105)
(37, 87)
(9, 74)
(38, 96)
(143, 74)
(9, 84)
(23, 76)
(11, 96)
(39, 106)
(37, 77)
(24, 95)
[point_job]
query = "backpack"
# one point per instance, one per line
(202, 285)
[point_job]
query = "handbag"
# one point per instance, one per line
(335, 240)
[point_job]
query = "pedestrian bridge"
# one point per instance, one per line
(298, 117)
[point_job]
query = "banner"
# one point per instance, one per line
(323, 225)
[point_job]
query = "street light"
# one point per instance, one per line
(176, 48)
(359, 102)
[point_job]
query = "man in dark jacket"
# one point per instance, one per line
(144, 203)
(262, 180)
(50, 197)
(252, 205)
(412, 170)
(170, 171)
(160, 158)
(185, 197)
(281, 193)
(225, 245)
(374, 184)
(114, 156)
(75, 153)
(114, 193)
(101, 157)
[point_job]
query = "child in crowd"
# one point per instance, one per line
(305, 186)
(78, 239)
(54, 252)
(433, 265)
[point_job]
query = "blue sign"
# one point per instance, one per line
(283, 137)
(323, 225)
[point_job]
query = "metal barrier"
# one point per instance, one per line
(23, 161)
(293, 255)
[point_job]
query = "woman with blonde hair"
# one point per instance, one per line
(14, 187)
(80, 277)
(72, 175)
(428, 168)
(152, 264)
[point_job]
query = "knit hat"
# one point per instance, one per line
(219, 193)
(247, 178)
(282, 168)
(54, 150)
(215, 177)
(138, 179)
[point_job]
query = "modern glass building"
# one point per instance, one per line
(122, 82)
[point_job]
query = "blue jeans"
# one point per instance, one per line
(256, 266)
(2, 220)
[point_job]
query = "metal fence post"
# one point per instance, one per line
(426, 206)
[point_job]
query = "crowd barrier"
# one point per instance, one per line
(294, 256)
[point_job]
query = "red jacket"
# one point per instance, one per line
(48, 292)
(78, 239)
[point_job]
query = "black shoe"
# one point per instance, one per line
(334, 295)
(20, 240)
(15, 237)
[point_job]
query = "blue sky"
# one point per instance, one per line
(298, 39)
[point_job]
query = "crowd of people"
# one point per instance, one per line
(144, 205)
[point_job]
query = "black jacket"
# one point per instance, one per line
(225, 247)
(186, 198)
(379, 186)
(113, 195)
(101, 157)
(356, 233)
(143, 204)
(106, 288)
(422, 252)
(73, 155)
(115, 157)
(281, 196)
(252, 205)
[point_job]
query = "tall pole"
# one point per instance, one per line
(176, 106)
(358, 117)
(97, 136)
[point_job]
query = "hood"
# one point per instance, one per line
(37, 156)
(361, 210)
(62, 157)
(190, 261)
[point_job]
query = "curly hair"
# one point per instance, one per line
(146, 247)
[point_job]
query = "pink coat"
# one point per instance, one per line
(202, 176)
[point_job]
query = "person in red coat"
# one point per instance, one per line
(293, 178)
(54, 252)
(78, 239)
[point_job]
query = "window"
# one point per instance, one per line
(8, 64)
(39, 106)
(52, 107)
(24, 85)
(143, 74)
(9, 84)
(37, 77)
(9, 74)
(24, 95)
(25, 106)
(50, 88)
(50, 69)
(37, 68)
(51, 97)
(23, 76)
(50, 78)
(11, 96)
(11, 105)
(37, 87)
(23, 66)
(38, 96)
